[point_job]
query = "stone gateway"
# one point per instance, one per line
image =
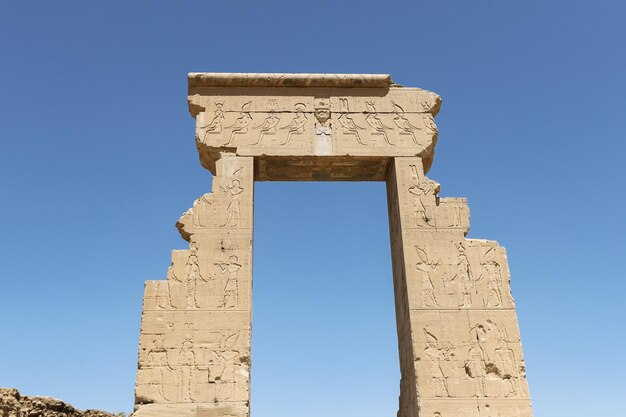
(459, 343)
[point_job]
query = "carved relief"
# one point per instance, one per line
(241, 124)
(406, 128)
(323, 128)
(348, 125)
(203, 211)
(426, 269)
(173, 282)
(186, 366)
(491, 363)
(268, 127)
(429, 122)
(233, 210)
(193, 275)
(163, 299)
(507, 366)
(231, 288)
(215, 126)
(423, 191)
(437, 354)
(476, 367)
(197, 324)
(464, 277)
(426, 106)
(378, 127)
(159, 366)
(456, 216)
(296, 127)
(490, 271)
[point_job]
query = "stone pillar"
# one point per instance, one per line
(459, 342)
(194, 349)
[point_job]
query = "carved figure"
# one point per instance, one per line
(323, 126)
(478, 334)
(162, 294)
(157, 360)
(221, 368)
(233, 213)
(347, 123)
(241, 124)
(490, 269)
(193, 274)
(268, 127)
(375, 123)
(403, 123)
(507, 366)
(186, 365)
(456, 216)
(436, 354)
(476, 367)
(424, 192)
(322, 112)
(172, 282)
(202, 211)
(429, 122)
(231, 288)
(215, 126)
(296, 127)
(427, 268)
(464, 275)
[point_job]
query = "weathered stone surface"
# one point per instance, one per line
(194, 348)
(459, 344)
(12, 404)
(312, 126)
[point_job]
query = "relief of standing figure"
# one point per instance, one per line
(436, 354)
(426, 269)
(193, 274)
(233, 212)
(490, 269)
(424, 192)
(231, 288)
(187, 364)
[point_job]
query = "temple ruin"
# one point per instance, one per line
(459, 344)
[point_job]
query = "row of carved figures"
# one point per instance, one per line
(297, 125)
(223, 290)
(490, 365)
(436, 281)
(188, 367)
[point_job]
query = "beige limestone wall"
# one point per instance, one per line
(194, 348)
(459, 343)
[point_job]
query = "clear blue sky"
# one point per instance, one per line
(98, 161)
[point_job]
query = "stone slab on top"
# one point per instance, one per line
(335, 127)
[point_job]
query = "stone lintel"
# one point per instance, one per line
(298, 127)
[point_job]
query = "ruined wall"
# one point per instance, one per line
(194, 349)
(459, 343)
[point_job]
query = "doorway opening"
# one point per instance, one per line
(324, 338)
